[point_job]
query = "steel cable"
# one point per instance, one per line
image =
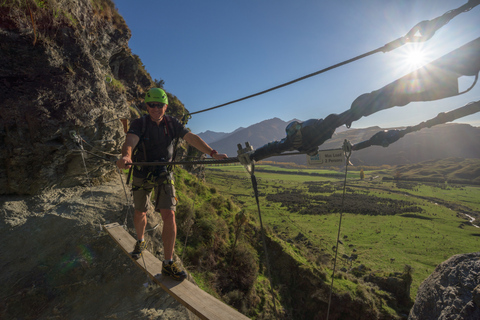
(348, 152)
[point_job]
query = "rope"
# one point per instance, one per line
(85, 166)
(292, 81)
(94, 148)
(347, 148)
(421, 32)
(163, 163)
(208, 161)
(93, 154)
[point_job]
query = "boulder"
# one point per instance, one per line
(452, 291)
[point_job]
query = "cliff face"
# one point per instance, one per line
(66, 72)
(65, 67)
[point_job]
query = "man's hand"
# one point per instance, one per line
(219, 156)
(122, 162)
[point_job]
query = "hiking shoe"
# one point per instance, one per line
(139, 247)
(171, 269)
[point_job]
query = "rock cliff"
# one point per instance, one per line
(65, 67)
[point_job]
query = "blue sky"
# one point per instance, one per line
(211, 52)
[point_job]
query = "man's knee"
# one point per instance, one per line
(140, 213)
(167, 215)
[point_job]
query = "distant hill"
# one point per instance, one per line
(257, 135)
(439, 142)
(211, 136)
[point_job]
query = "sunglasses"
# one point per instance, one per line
(156, 105)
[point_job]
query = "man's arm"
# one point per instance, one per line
(130, 142)
(202, 146)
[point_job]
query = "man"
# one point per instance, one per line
(151, 138)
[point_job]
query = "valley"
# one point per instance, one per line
(387, 224)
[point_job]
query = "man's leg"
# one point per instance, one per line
(166, 204)
(140, 222)
(169, 233)
(141, 194)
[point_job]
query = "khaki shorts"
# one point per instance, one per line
(164, 196)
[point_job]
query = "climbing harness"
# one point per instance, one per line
(347, 149)
(169, 130)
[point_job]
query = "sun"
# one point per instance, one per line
(414, 56)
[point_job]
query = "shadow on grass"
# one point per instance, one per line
(412, 215)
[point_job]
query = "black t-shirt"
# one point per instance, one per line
(158, 140)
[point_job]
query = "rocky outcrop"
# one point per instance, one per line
(452, 291)
(65, 67)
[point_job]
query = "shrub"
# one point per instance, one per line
(241, 273)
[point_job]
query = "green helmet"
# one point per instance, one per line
(156, 95)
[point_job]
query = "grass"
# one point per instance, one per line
(384, 244)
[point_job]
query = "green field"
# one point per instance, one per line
(387, 224)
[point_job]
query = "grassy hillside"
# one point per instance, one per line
(453, 170)
(388, 224)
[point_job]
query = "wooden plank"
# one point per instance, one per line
(192, 297)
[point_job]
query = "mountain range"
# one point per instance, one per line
(439, 142)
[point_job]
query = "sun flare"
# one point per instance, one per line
(410, 58)
(415, 58)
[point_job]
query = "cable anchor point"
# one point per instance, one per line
(244, 156)
(74, 137)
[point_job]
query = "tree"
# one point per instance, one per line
(159, 83)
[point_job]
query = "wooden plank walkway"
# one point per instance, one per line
(192, 297)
